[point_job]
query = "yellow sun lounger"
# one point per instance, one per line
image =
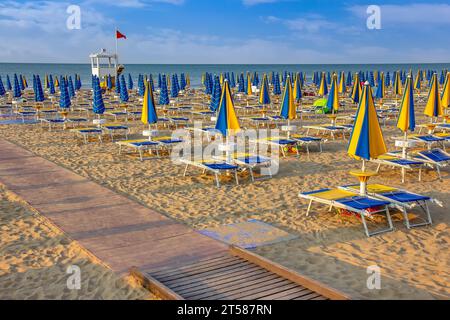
(364, 206)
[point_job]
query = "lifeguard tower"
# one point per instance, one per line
(105, 64)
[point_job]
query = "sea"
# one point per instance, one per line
(195, 71)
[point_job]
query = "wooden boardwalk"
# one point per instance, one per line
(118, 231)
(169, 258)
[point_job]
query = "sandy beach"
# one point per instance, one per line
(35, 256)
(330, 248)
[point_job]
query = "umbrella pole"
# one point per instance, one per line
(363, 182)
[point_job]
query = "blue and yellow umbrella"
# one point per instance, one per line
(445, 97)
(149, 115)
(264, 96)
(381, 88)
(342, 84)
(333, 97)
(323, 88)
(357, 90)
(397, 90)
(227, 121)
(288, 110)
(366, 141)
(406, 119)
(297, 88)
(433, 107)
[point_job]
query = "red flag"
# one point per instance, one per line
(120, 35)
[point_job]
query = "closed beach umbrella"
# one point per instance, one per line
(366, 141)
(276, 85)
(433, 107)
(46, 82)
(8, 83)
(356, 90)
(342, 84)
(123, 90)
(381, 88)
(71, 88)
(130, 82)
(17, 92)
(174, 89)
(323, 88)
(98, 104)
(241, 84)
(333, 97)
(64, 99)
(56, 82)
(149, 115)
(349, 79)
(227, 121)
(118, 85)
(445, 97)
(182, 82)
(38, 93)
(141, 85)
(51, 88)
(215, 97)
(21, 83)
(248, 89)
(417, 83)
(406, 119)
(264, 96)
(397, 84)
(297, 88)
(109, 83)
(288, 110)
(388, 80)
(232, 81)
(164, 93)
(2, 88)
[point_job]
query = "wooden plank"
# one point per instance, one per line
(240, 289)
(294, 292)
(284, 272)
(225, 280)
(226, 286)
(213, 274)
(154, 285)
(263, 292)
(193, 270)
(308, 296)
(203, 262)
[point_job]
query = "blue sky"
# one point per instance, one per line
(227, 31)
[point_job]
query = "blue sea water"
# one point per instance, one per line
(196, 70)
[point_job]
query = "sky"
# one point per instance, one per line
(227, 31)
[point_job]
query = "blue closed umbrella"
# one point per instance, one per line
(130, 82)
(241, 84)
(276, 85)
(70, 88)
(141, 86)
(174, 88)
(17, 92)
(2, 88)
(164, 94)
(38, 93)
(64, 100)
(152, 84)
(51, 85)
(215, 98)
(98, 106)
(8, 83)
(182, 82)
(123, 90)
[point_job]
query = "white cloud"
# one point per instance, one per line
(415, 13)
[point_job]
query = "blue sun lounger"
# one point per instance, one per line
(394, 160)
(140, 145)
(215, 167)
(251, 163)
(88, 132)
(402, 200)
(52, 122)
(277, 142)
(307, 141)
(115, 129)
(435, 157)
(429, 140)
(366, 207)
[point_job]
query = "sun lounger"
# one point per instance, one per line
(140, 145)
(26, 114)
(115, 129)
(179, 121)
(394, 160)
(215, 167)
(429, 140)
(250, 162)
(332, 130)
(52, 122)
(364, 206)
(402, 200)
(277, 142)
(89, 132)
(307, 141)
(435, 157)
(117, 114)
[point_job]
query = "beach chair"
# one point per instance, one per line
(307, 141)
(333, 131)
(402, 200)
(429, 140)
(216, 167)
(277, 142)
(77, 121)
(115, 129)
(52, 122)
(210, 132)
(435, 157)
(139, 145)
(179, 121)
(394, 160)
(26, 115)
(251, 163)
(366, 207)
(86, 133)
(166, 143)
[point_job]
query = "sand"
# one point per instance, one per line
(35, 257)
(332, 249)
